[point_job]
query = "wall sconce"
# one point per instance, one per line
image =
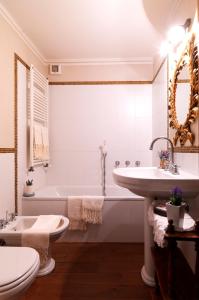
(175, 35)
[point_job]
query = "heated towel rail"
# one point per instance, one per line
(38, 117)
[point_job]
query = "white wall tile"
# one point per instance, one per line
(82, 117)
(188, 161)
(159, 111)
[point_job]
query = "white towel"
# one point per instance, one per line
(45, 143)
(83, 210)
(37, 236)
(92, 209)
(37, 141)
(40, 142)
(75, 213)
(160, 223)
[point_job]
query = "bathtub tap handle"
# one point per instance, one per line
(137, 163)
(117, 163)
(127, 163)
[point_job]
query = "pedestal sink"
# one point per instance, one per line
(154, 183)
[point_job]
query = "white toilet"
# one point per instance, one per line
(19, 267)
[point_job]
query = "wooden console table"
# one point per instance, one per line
(174, 278)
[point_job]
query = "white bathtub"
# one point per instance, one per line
(123, 212)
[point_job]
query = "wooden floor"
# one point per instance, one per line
(97, 271)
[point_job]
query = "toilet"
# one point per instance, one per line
(19, 267)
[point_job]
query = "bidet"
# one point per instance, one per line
(12, 234)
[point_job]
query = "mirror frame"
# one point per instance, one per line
(184, 132)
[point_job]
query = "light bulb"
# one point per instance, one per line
(176, 34)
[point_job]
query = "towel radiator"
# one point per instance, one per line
(38, 108)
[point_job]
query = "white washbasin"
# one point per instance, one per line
(155, 182)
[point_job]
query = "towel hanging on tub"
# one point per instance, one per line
(83, 210)
(75, 213)
(92, 209)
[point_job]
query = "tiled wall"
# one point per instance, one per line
(82, 117)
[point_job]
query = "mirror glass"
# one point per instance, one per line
(183, 92)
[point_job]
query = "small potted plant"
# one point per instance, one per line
(28, 189)
(164, 158)
(176, 208)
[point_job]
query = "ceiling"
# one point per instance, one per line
(96, 30)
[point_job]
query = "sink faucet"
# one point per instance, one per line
(174, 168)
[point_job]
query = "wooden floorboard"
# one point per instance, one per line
(97, 271)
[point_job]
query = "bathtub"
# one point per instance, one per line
(123, 212)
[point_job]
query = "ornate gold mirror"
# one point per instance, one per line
(184, 100)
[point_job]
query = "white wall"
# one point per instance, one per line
(7, 184)
(159, 111)
(104, 72)
(83, 116)
(11, 43)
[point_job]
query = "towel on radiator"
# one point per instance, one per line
(45, 143)
(37, 141)
(83, 210)
(37, 236)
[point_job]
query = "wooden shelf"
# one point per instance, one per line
(175, 279)
(182, 287)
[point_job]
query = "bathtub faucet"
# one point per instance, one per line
(3, 223)
(12, 217)
(173, 167)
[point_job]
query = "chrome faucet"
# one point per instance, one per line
(3, 223)
(9, 218)
(173, 166)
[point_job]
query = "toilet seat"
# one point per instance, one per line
(19, 265)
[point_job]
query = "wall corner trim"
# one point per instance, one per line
(9, 19)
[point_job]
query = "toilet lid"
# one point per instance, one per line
(15, 262)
